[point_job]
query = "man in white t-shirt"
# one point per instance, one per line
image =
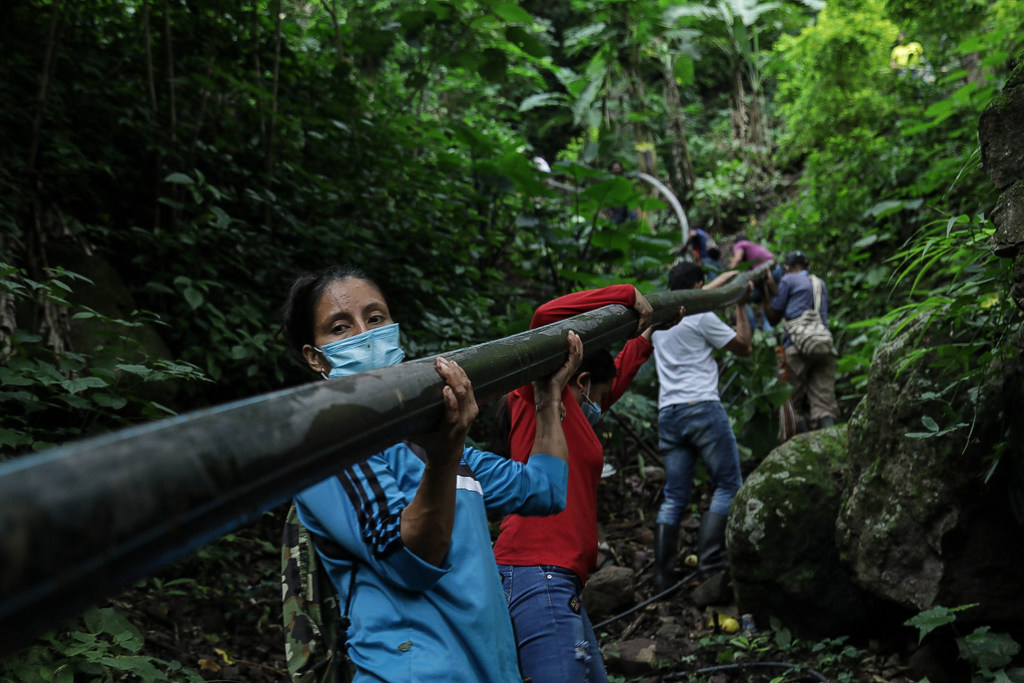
(692, 424)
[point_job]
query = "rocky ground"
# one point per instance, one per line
(219, 613)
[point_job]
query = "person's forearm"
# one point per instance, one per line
(428, 520)
(743, 334)
(721, 279)
(770, 313)
(549, 437)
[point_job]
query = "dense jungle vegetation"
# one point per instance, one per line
(167, 167)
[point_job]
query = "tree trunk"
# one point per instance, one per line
(171, 104)
(154, 107)
(332, 11)
(49, 64)
(269, 214)
(8, 320)
(172, 109)
(738, 100)
(681, 168)
(258, 67)
(211, 57)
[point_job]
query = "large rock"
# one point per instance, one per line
(608, 591)
(781, 539)
(999, 130)
(637, 657)
(1001, 133)
(925, 521)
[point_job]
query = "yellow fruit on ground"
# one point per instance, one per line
(690, 561)
(725, 624)
(728, 625)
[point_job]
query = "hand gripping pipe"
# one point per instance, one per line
(83, 520)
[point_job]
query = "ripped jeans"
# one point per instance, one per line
(556, 641)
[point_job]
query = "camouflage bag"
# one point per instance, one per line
(314, 627)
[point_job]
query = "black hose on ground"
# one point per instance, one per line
(654, 598)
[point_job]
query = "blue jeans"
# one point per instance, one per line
(687, 432)
(556, 641)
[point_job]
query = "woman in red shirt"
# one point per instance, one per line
(544, 561)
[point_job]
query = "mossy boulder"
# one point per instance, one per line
(781, 539)
(925, 519)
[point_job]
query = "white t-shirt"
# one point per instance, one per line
(687, 371)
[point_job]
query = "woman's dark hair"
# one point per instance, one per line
(299, 306)
(600, 365)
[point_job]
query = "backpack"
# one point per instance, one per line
(808, 333)
(314, 626)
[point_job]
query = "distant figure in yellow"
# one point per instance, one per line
(905, 55)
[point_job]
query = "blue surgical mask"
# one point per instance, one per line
(371, 350)
(591, 410)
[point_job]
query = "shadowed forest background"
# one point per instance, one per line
(168, 167)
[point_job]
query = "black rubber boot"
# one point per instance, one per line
(801, 426)
(712, 562)
(666, 547)
(827, 421)
(711, 555)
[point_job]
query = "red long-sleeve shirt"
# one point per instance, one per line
(569, 538)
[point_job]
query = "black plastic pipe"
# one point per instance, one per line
(81, 521)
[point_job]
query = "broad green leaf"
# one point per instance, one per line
(110, 401)
(179, 179)
(73, 386)
(988, 650)
(194, 297)
(526, 41)
(133, 369)
(931, 619)
(541, 100)
(12, 378)
(512, 13)
(14, 440)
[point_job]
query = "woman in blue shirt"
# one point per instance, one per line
(411, 521)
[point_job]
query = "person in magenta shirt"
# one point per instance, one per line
(544, 562)
(745, 251)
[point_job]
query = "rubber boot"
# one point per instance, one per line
(801, 426)
(827, 421)
(711, 555)
(712, 562)
(665, 549)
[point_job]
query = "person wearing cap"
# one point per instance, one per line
(812, 379)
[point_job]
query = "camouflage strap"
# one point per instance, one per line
(314, 628)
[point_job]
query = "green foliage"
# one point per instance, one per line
(752, 393)
(989, 654)
(101, 646)
(830, 76)
(954, 283)
(832, 657)
(50, 396)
